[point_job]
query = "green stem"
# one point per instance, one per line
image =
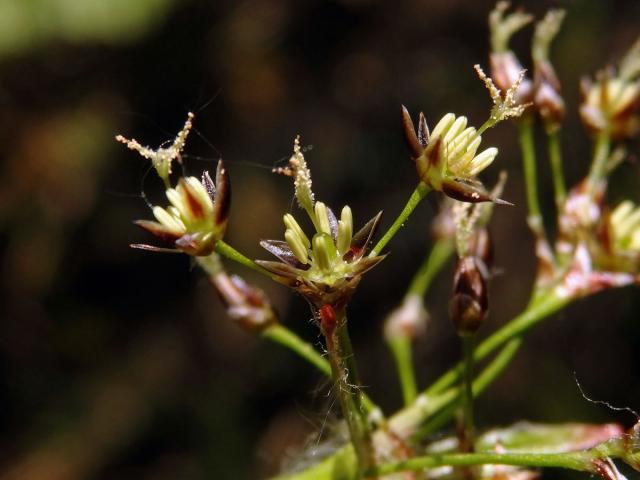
(482, 381)
(584, 461)
(231, 253)
(400, 347)
(400, 342)
(281, 335)
(433, 263)
(599, 163)
(416, 197)
(525, 136)
(347, 386)
(466, 395)
(555, 159)
(542, 308)
(353, 377)
(440, 399)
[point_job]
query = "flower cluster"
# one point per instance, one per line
(326, 267)
(611, 102)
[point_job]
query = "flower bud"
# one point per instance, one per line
(469, 303)
(505, 69)
(504, 65)
(546, 97)
(245, 304)
(409, 320)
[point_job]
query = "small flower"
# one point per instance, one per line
(409, 320)
(611, 102)
(620, 238)
(447, 160)
(326, 267)
(469, 304)
(547, 98)
(245, 304)
(196, 217)
(162, 158)
(505, 67)
(625, 227)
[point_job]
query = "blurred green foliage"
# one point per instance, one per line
(26, 25)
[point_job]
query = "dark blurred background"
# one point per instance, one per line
(120, 364)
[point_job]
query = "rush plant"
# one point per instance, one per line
(323, 257)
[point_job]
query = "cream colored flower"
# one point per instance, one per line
(196, 216)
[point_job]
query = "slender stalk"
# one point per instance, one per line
(525, 136)
(353, 377)
(482, 381)
(345, 377)
(542, 308)
(466, 395)
(555, 159)
(400, 347)
(400, 342)
(599, 163)
(416, 197)
(584, 461)
(281, 335)
(226, 250)
(433, 263)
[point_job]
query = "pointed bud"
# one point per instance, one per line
(469, 303)
(245, 304)
(409, 320)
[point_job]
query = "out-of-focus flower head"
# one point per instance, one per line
(327, 267)
(547, 97)
(505, 67)
(247, 305)
(447, 158)
(197, 214)
(611, 102)
(620, 238)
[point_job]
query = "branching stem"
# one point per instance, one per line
(542, 308)
(584, 461)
